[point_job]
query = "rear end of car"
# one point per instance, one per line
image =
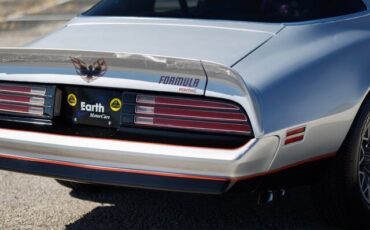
(144, 122)
(201, 104)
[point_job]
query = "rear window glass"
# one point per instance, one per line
(241, 10)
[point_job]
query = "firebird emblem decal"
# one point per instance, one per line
(90, 73)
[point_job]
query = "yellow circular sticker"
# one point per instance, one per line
(115, 104)
(72, 99)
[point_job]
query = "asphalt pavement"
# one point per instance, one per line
(32, 202)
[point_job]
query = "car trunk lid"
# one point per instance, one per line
(222, 42)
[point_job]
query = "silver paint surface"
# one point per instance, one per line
(220, 42)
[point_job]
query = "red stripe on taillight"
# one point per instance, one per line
(191, 113)
(18, 89)
(18, 99)
(21, 109)
(193, 125)
(22, 89)
(14, 98)
(181, 102)
(14, 108)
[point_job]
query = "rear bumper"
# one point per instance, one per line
(124, 163)
(110, 176)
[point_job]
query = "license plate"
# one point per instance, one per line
(94, 107)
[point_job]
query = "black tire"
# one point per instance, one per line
(79, 186)
(339, 196)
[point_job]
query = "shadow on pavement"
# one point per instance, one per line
(124, 208)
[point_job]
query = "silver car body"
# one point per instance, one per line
(286, 76)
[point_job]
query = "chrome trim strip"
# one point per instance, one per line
(38, 91)
(37, 101)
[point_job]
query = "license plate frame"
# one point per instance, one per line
(94, 107)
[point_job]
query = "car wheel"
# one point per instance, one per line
(78, 186)
(343, 193)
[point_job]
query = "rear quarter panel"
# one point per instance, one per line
(313, 74)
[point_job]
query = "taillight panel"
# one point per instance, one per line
(23, 100)
(163, 118)
(195, 114)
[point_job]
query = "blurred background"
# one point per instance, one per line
(23, 21)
